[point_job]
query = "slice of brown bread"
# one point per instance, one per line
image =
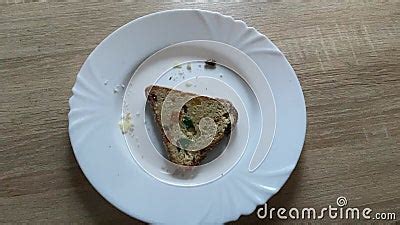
(221, 111)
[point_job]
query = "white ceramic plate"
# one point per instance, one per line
(106, 160)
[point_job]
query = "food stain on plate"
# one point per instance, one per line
(125, 124)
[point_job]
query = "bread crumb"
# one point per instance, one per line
(118, 87)
(210, 64)
(189, 66)
(125, 123)
(105, 82)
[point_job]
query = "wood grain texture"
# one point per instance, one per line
(345, 54)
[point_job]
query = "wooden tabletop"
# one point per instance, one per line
(346, 56)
